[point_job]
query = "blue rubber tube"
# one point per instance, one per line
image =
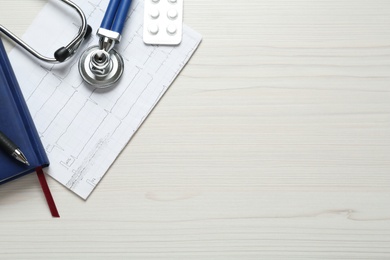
(121, 15)
(110, 14)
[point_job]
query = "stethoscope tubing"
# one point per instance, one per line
(115, 17)
(62, 53)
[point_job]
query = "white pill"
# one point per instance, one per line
(155, 1)
(172, 1)
(171, 29)
(154, 13)
(153, 28)
(172, 14)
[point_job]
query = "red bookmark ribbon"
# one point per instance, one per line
(46, 192)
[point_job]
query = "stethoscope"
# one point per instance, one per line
(63, 53)
(101, 66)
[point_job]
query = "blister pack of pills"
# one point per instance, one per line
(163, 22)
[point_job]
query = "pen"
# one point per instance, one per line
(12, 149)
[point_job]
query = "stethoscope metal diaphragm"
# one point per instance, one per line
(99, 68)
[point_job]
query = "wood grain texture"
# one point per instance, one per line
(273, 143)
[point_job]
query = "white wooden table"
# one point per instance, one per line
(273, 143)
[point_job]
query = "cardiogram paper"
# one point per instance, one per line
(84, 129)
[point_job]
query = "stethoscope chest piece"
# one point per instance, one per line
(99, 68)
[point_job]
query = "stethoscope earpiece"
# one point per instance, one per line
(64, 53)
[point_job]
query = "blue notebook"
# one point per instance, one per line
(16, 123)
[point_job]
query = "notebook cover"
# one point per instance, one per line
(16, 123)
